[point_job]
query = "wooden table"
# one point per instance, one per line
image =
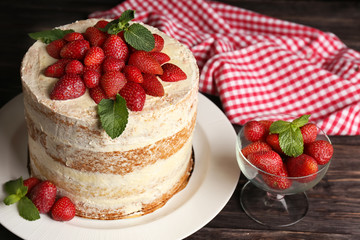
(334, 203)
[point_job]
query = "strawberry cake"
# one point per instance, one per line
(111, 178)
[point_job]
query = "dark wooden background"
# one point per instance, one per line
(334, 203)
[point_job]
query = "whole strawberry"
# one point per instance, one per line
(94, 56)
(266, 124)
(97, 94)
(255, 147)
(172, 73)
(111, 64)
(75, 49)
(112, 82)
(73, 36)
(254, 131)
(56, 69)
(273, 141)
(278, 182)
(152, 85)
(54, 48)
(309, 132)
(132, 73)
(30, 183)
(320, 150)
(160, 57)
(159, 43)
(74, 67)
(91, 78)
(115, 47)
(301, 166)
(68, 87)
(63, 209)
(134, 96)
(145, 62)
(95, 36)
(268, 161)
(43, 196)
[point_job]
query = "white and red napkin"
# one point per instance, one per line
(260, 65)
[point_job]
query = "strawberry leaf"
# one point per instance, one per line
(48, 36)
(113, 116)
(139, 37)
(27, 209)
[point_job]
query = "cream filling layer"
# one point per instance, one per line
(110, 191)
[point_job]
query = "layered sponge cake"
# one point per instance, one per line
(111, 178)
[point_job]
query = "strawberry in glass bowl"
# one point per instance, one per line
(282, 157)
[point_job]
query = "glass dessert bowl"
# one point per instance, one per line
(275, 193)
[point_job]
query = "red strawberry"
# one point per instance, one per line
(97, 94)
(112, 64)
(73, 36)
(134, 96)
(268, 161)
(94, 56)
(320, 150)
(75, 49)
(172, 73)
(112, 82)
(145, 62)
(273, 141)
(121, 35)
(152, 85)
(43, 196)
(302, 166)
(309, 132)
(254, 131)
(279, 182)
(160, 57)
(54, 48)
(30, 183)
(101, 24)
(91, 78)
(93, 67)
(95, 36)
(74, 67)
(63, 209)
(57, 69)
(115, 47)
(132, 73)
(159, 43)
(68, 87)
(255, 147)
(267, 124)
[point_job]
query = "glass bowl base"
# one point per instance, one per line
(274, 210)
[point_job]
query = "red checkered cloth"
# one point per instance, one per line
(261, 65)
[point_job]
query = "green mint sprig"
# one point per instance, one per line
(290, 137)
(17, 193)
(138, 36)
(48, 36)
(113, 115)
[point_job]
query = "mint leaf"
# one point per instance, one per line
(139, 37)
(301, 121)
(11, 199)
(12, 186)
(48, 36)
(291, 142)
(27, 209)
(127, 16)
(279, 126)
(120, 24)
(113, 115)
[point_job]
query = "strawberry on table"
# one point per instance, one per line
(43, 196)
(300, 166)
(63, 209)
(320, 150)
(255, 147)
(254, 131)
(68, 87)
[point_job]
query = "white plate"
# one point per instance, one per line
(214, 179)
